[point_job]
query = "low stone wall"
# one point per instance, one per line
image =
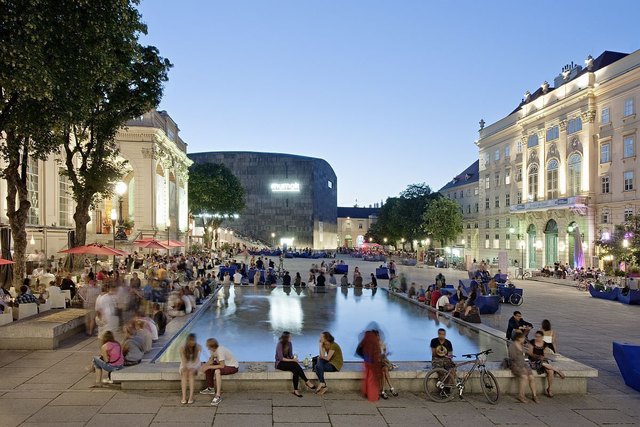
(43, 332)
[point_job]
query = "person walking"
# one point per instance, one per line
(520, 368)
(370, 351)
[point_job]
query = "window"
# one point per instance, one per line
(604, 116)
(628, 107)
(461, 194)
(629, 146)
(65, 211)
(628, 180)
(486, 203)
(507, 176)
(486, 241)
(455, 194)
(605, 184)
(553, 133)
(496, 241)
(497, 178)
(507, 241)
(486, 182)
(468, 240)
(519, 175)
(507, 222)
(519, 197)
(330, 184)
(575, 174)
(475, 225)
(533, 183)
(605, 153)
(575, 125)
(497, 202)
(605, 216)
(468, 209)
(486, 224)
(496, 155)
(468, 225)
(552, 179)
(33, 193)
(477, 207)
(360, 226)
(519, 146)
(532, 141)
(628, 214)
(497, 223)
(475, 191)
(507, 151)
(507, 200)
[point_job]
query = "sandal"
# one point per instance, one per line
(310, 387)
(535, 399)
(393, 392)
(183, 401)
(322, 390)
(522, 399)
(548, 393)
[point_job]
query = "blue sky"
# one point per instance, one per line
(388, 92)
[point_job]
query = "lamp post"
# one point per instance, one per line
(168, 232)
(522, 245)
(120, 188)
(114, 218)
(211, 237)
(273, 240)
(231, 234)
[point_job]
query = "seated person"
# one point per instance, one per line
(132, 347)
(25, 297)
(471, 313)
(226, 279)
(443, 304)
(412, 290)
(160, 319)
(517, 323)
(332, 280)
(441, 351)
(493, 287)
(460, 306)
(422, 295)
(344, 281)
(286, 279)
(435, 296)
(237, 278)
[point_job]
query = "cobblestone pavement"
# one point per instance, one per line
(49, 388)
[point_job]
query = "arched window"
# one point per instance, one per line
(533, 183)
(552, 179)
(532, 141)
(575, 174)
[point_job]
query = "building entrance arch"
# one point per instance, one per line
(551, 242)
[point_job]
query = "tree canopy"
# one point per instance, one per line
(614, 246)
(443, 220)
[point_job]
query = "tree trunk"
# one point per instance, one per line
(81, 217)
(17, 195)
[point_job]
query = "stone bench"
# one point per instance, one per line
(409, 376)
(42, 332)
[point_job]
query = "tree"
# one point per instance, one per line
(33, 54)
(615, 245)
(442, 220)
(114, 78)
(215, 193)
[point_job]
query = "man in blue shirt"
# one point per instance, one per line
(25, 297)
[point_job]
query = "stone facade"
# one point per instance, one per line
(561, 170)
(294, 197)
(353, 224)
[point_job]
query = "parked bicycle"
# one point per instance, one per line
(523, 274)
(442, 385)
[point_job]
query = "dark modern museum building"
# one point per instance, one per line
(290, 199)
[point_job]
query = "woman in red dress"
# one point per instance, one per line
(370, 351)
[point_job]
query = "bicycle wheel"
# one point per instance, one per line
(490, 387)
(526, 275)
(515, 299)
(436, 387)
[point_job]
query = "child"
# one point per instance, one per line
(189, 365)
(422, 296)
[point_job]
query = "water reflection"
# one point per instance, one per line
(249, 320)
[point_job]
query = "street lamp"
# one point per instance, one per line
(114, 218)
(625, 243)
(522, 245)
(120, 188)
(231, 233)
(168, 230)
(273, 240)
(370, 239)
(385, 240)
(210, 229)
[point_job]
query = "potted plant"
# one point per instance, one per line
(106, 226)
(128, 225)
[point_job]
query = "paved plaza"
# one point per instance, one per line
(39, 388)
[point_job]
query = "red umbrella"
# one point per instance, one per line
(176, 244)
(5, 261)
(94, 249)
(151, 244)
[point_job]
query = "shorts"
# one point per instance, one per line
(442, 362)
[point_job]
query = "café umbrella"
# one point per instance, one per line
(5, 261)
(151, 244)
(94, 249)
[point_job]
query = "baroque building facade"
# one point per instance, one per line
(561, 169)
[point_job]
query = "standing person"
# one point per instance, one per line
(89, 294)
(189, 365)
(286, 360)
(106, 317)
(221, 362)
(520, 368)
(329, 359)
(549, 336)
(370, 351)
(386, 367)
(110, 359)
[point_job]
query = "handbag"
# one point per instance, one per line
(314, 362)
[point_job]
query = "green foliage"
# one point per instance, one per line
(214, 191)
(614, 247)
(443, 220)
(401, 217)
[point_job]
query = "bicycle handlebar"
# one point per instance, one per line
(469, 356)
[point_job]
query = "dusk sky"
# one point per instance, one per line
(388, 92)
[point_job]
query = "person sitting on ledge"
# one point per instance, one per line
(471, 313)
(110, 359)
(297, 281)
(517, 323)
(221, 362)
(286, 279)
(460, 306)
(422, 295)
(435, 296)
(443, 304)
(344, 281)
(412, 290)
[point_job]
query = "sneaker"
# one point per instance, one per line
(384, 395)
(216, 400)
(208, 390)
(394, 392)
